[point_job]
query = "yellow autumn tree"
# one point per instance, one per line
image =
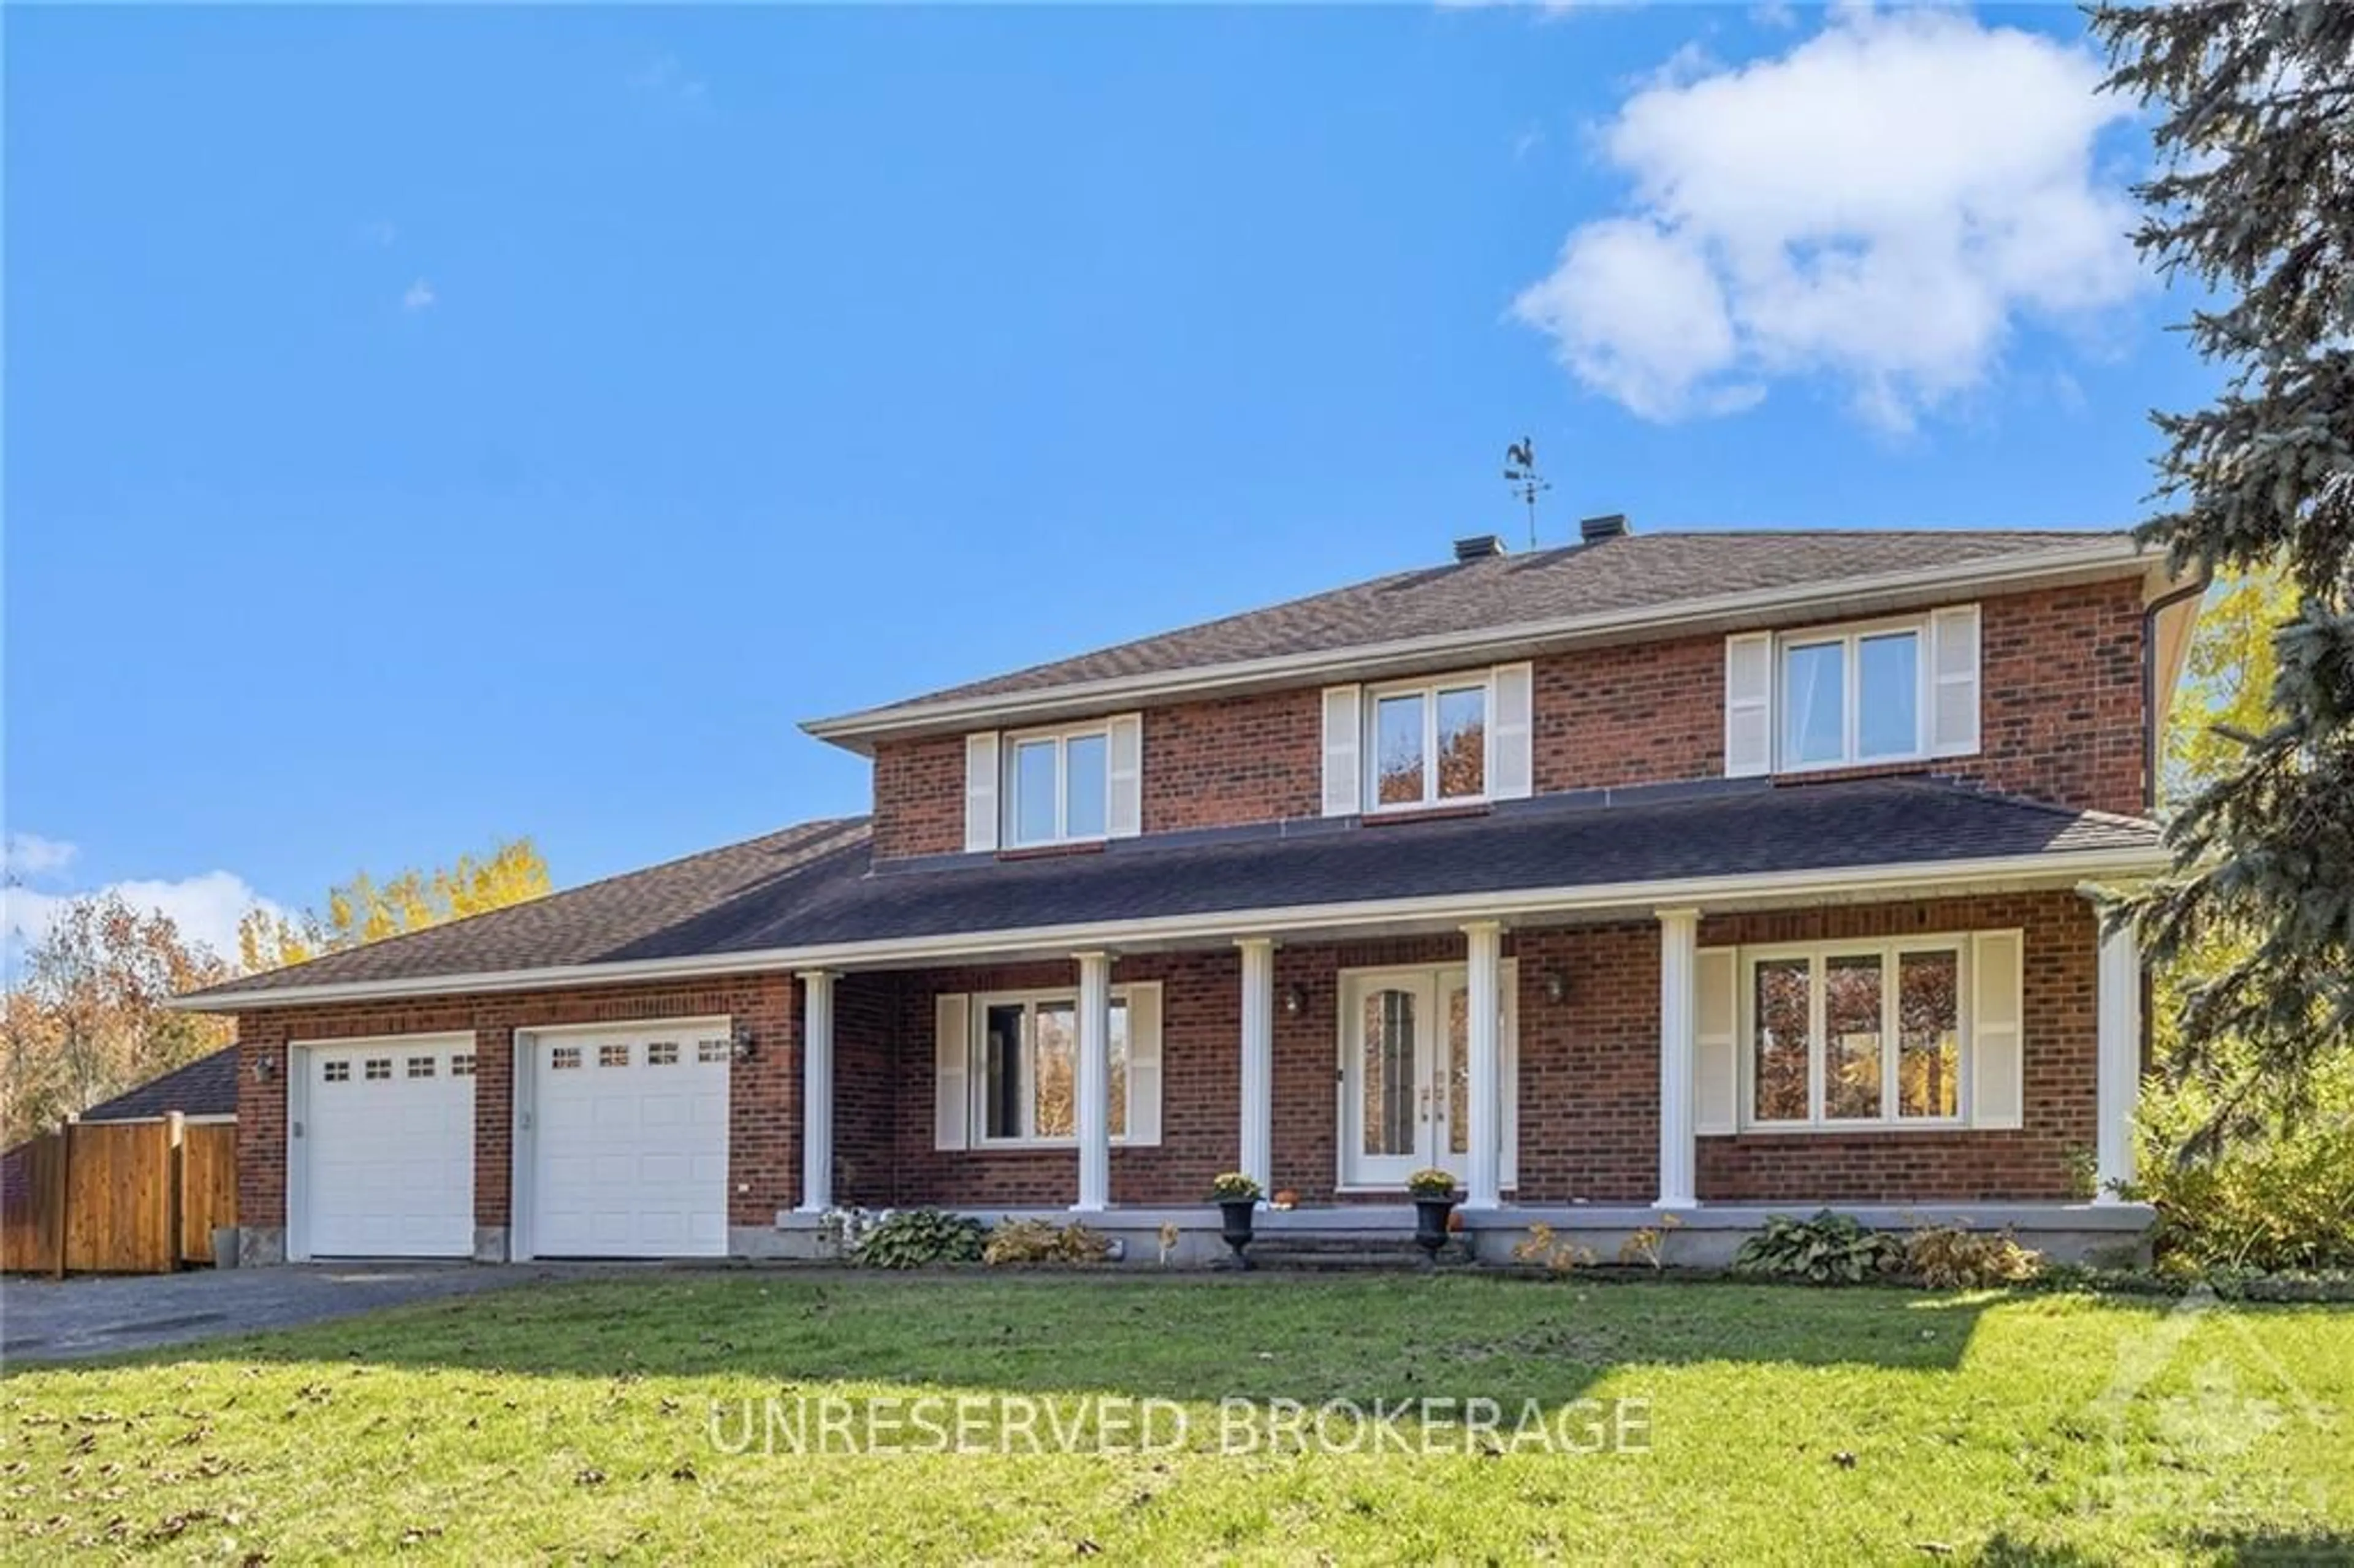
(367, 910)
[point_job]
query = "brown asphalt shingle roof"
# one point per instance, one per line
(601, 922)
(1632, 572)
(816, 885)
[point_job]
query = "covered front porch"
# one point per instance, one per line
(1592, 1070)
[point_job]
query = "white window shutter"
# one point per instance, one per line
(1126, 819)
(1749, 704)
(951, 1104)
(1998, 1046)
(1954, 682)
(1344, 719)
(1143, 1064)
(1511, 711)
(981, 791)
(1716, 1071)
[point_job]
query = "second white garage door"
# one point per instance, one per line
(630, 1138)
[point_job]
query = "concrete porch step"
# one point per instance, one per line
(1339, 1253)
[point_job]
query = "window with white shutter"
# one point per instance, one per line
(1005, 1068)
(1882, 1032)
(1897, 690)
(1749, 704)
(1998, 1039)
(1511, 699)
(952, 1043)
(1343, 720)
(981, 792)
(1073, 784)
(1716, 1014)
(1954, 684)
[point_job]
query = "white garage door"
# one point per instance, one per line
(388, 1141)
(631, 1134)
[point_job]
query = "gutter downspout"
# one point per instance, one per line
(2153, 735)
(2153, 720)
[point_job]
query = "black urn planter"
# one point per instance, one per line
(1430, 1227)
(1236, 1215)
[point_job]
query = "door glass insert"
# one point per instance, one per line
(1388, 1071)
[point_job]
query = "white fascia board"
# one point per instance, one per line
(857, 730)
(1519, 907)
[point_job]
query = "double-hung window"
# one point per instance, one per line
(1429, 744)
(1846, 1034)
(1852, 697)
(1057, 787)
(1024, 1073)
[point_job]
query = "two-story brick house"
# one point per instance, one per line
(1717, 873)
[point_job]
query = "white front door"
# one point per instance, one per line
(385, 1131)
(628, 1130)
(1405, 1074)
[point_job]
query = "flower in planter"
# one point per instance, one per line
(1431, 1182)
(1233, 1187)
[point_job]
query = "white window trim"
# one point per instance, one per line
(1009, 815)
(1887, 949)
(1427, 689)
(1849, 636)
(976, 1066)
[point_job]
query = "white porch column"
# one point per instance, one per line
(1093, 1085)
(817, 1091)
(2117, 1083)
(1679, 964)
(1257, 1159)
(1484, 1137)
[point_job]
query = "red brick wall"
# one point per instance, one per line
(1245, 759)
(865, 1159)
(764, 1093)
(2061, 721)
(919, 797)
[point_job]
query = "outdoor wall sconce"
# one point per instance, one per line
(1294, 999)
(265, 1068)
(743, 1048)
(1556, 987)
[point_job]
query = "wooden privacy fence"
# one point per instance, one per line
(130, 1197)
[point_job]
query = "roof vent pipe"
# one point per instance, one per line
(1594, 530)
(1479, 547)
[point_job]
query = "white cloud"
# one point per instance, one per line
(420, 296)
(206, 907)
(31, 855)
(1878, 207)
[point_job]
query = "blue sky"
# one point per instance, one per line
(430, 424)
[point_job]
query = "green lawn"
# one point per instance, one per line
(1784, 1425)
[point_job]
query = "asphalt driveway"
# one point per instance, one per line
(63, 1319)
